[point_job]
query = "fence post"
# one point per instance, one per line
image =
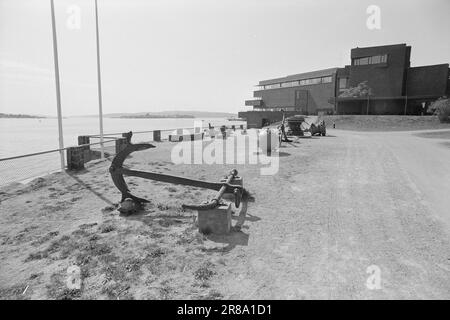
(157, 135)
(75, 158)
(121, 144)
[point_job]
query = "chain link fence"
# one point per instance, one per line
(26, 167)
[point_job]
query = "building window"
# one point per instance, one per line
(370, 60)
(343, 83)
(272, 86)
(304, 82)
(289, 84)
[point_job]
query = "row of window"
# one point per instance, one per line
(305, 82)
(370, 60)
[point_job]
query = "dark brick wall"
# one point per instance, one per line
(428, 80)
(318, 96)
(373, 107)
(385, 79)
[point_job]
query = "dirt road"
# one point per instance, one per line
(366, 216)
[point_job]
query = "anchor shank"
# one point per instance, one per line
(170, 179)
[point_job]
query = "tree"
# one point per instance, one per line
(441, 108)
(361, 90)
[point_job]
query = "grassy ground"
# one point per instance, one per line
(65, 220)
(385, 123)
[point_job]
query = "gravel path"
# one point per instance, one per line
(344, 210)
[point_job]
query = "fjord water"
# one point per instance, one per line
(23, 136)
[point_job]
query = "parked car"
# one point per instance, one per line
(306, 126)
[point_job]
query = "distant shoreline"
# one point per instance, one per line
(155, 116)
(19, 116)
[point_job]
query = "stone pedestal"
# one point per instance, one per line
(157, 135)
(121, 143)
(75, 158)
(215, 221)
(85, 141)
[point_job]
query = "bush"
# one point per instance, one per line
(441, 108)
(361, 90)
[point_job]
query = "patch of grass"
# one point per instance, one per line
(13, 292)
(162, 207)
(57, 289)
(166, 222)
(45, 238)
(213, 295)
(114, 290)
(105, 228)
(156, 253)
(166, 292)
(58, 206)
(87, 226)
(37, 256)
(205, 272)
(35, 275)
(110, 208)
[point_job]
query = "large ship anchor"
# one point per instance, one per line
(226, 186)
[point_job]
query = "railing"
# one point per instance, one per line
(25, 167)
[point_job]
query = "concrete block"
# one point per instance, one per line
(85, 141)
(121, 143)
(215, 221)
(157, 135)
(75, 158)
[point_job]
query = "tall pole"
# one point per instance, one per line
(100, 107)
(58, 91)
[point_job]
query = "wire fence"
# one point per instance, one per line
(23, 168)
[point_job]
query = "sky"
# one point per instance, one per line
(159, 55)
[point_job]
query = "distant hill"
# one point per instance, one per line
(170, 114)
(21, 116)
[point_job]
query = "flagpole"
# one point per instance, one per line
(100, 106)
(58, 91)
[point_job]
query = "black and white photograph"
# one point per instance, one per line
(245, 151)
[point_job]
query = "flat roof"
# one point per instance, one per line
(383, 46)
(300, 76)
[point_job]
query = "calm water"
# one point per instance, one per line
(22, 136)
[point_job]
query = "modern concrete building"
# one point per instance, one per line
(395, 87)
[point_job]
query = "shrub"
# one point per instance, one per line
(361, 90)
(441, 108)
